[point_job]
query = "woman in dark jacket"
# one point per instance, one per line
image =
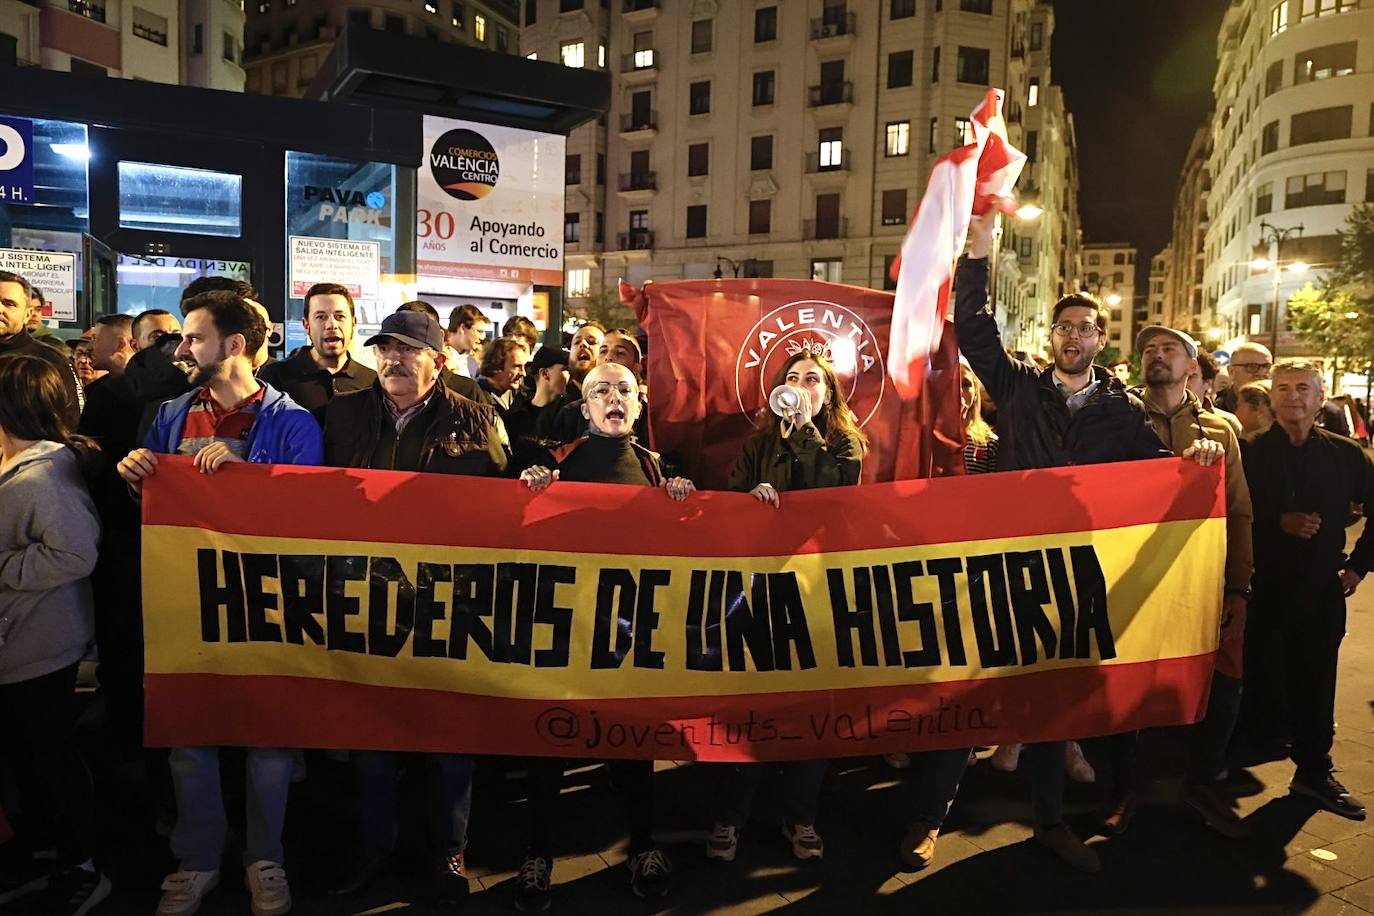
(817, 444)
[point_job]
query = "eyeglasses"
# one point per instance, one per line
(1254, 367)
(1084, 328)
(602, 390)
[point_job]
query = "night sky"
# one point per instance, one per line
(1137, 77)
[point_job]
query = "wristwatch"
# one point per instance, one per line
(1242, 592)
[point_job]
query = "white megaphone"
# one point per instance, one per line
(786, 401)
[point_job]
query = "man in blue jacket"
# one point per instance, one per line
(229, 416)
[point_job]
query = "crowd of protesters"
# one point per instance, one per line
(83, 423)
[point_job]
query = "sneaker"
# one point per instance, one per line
(451, 879)
(918, 845)
(1118, 812)
(532, 885)
(898, 761)
(724, 843)
(76, 891)
(267, 883)
(183, 891)
(806, 842)
(1072, 851)
(1006, 757)
(1328, 793)
(1076, 765)
(27, 877)
(649, 873)
(1218, 811)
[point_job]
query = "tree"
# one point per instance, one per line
(604, 307)
(1336, 317)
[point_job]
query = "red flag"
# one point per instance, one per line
(716, 345)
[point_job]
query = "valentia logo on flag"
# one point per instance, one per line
(837, 333)
(465, 164)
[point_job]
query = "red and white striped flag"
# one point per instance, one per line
(964, 181)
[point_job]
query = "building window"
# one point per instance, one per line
(1118, 278)
(755, 268)
(1119, 258)
(1037, 36)
(1369, 185)
(763, 88)
(230, 49)
(963, 131)
(889, 284)
(1264, 198)
(503, 42)
(894, 207)
(765, 24)
(395, 24)
(935, 64)
(1314, 8)
(1032, 145)
(696, 221)
(198, 39)
(173, 199)
(972, 66)
(1322, 124)
(601, 56)
(1278, 18)
(1273, 78)
(899, 64)
(573, 54)
(832, 148)
(570, 6)
(1269, 138)
(827, 269)
(1033, 92)
(600, 168)
(699, 98)
(701, 36)
(760, 217)
(698, 159)
(579, 283)
(531, 12)
(639, 219)
(1324, 63)
(644, 50)
(479, 27)
(761, 152)
(902, 9)
(150, 26)
(898, 141)
(572, 169)
(459, 18)
(1314, 190)
(572, 227)
(431, 7)
(934, 126)
(1025, 250)
(1093, 260)
(976, 6)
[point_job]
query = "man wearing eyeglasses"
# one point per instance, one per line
(1251, 362)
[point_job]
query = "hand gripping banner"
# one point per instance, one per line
(311, 607)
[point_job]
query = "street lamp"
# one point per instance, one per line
(1027, 212)
(1275, 236)
(734, 266)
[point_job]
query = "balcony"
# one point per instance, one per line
(837, 228)
(639, 67)
(833, 26)
(635, 240)
(833, 163)
(87, 8)
(637, 185)
(831, 94)
(637, 126)
(637, 11)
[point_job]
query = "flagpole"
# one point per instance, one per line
(993, 255)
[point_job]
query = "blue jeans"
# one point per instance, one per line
(801, 790)
(939, 783)
(199, 836)
(450, 801)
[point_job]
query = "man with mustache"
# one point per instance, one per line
(229, 416)
(314, 374)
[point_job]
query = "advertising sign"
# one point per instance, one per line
(355, 265)
(490, 203)
(53, 272)
(16, 161)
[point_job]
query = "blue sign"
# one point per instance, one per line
(16, 161)
(1222, 357)
(376, 200)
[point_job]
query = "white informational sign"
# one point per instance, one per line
(490, 203)
(53, 272)
(356, 266)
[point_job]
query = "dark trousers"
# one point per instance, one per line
(1117, 755)
(117, 588)
(1211, 736)
(631, 780)
(38, 722)
(449, 802)
(800, 787)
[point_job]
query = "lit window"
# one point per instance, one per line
(531, 56)
(1278, 18)
(601, 56)
(1033, 95)
(573, 54)
(430, 7)
(479, 27)
(579, 283)
(963, 131)
(832, 154)
(644, 59)
(899, 138)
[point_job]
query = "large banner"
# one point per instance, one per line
(715, 347)
(490, 203)
(309, 607)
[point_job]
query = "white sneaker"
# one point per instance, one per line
(1006, 757)
(183, 891)
(1076, 765)
(271, 894)
(806, 842)
(898, 761)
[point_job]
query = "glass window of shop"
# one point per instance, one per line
(59, 213)
(331, 198)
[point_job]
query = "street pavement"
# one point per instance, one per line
(1298, 860)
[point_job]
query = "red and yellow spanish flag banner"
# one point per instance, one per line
(308, 607)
